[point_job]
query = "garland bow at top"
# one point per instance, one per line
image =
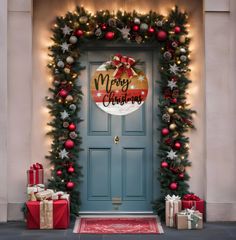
(123, 64)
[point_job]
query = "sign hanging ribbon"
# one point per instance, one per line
(123, 64)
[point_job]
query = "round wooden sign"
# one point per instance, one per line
(118, 96)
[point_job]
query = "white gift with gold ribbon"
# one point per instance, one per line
(173, 206)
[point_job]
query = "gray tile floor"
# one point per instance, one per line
(211, 231)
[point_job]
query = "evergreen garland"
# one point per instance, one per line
(170, 34)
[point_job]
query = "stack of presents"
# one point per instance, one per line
(45, 208)
(185, 213)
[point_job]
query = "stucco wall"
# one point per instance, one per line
(212, 150)
(220, 50)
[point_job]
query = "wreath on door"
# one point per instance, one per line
(170, 34)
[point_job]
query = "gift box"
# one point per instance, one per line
(189, 219)
(191, 201)
(48, 214)
(35, 174)
(44, 195)
(173, 206)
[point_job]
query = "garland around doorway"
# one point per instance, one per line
(170, 33)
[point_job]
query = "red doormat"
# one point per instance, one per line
(118, 225)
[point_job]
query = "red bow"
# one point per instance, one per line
(123, 64)
(36, 166)
(191, 197)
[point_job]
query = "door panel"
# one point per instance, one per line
(133, 176)
(134, 124)
(99, 174)
(116, 176)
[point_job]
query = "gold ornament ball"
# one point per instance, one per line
(171, 110)
(172, 126)
(182, 39)
(89, 33)
(69, 98)
(83, 19)
(67, 70)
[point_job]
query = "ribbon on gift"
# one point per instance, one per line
(46, 214)
(123, 64)
(172, 198)
(60, 195)
(35, 174)
(45, 195)
(36, 166)
(174, 202)
(193, 218)
(191, 197)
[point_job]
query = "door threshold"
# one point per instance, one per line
(115, 213)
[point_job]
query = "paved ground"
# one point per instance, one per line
(211, 231)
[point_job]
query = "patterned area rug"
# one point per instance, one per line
(118, 225)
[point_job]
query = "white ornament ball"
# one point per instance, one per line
(182, 50)
(70, 60)
(60, 64)
(143, 27)
(136, 20)
(73, 39)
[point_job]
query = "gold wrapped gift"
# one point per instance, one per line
(44, 195)
(173, 206)
(189, 219)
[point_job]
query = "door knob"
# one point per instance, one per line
(116, 139)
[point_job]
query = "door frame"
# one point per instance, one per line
(153, 50)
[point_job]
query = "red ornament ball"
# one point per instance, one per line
(79, 33)
(177, 145)
(165, 131)
(173, 186)
(104, 26)
(69, 144)
(70, 185)
(177, 29)
(135, 28)
(70, 169)
(173, 100)
(110, 35)
(59, 173)
(181, 175)
(164, 165)
(161, 35)
(72, 127)
(151, 30)
(63, 93)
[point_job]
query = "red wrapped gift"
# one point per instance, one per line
(48, 214)
(35, 174)
(192, 201)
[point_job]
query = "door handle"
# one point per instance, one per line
(116, 139)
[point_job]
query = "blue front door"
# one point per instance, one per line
(116, 177)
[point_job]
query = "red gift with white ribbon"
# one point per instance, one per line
(191, 201)
(35, 175)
